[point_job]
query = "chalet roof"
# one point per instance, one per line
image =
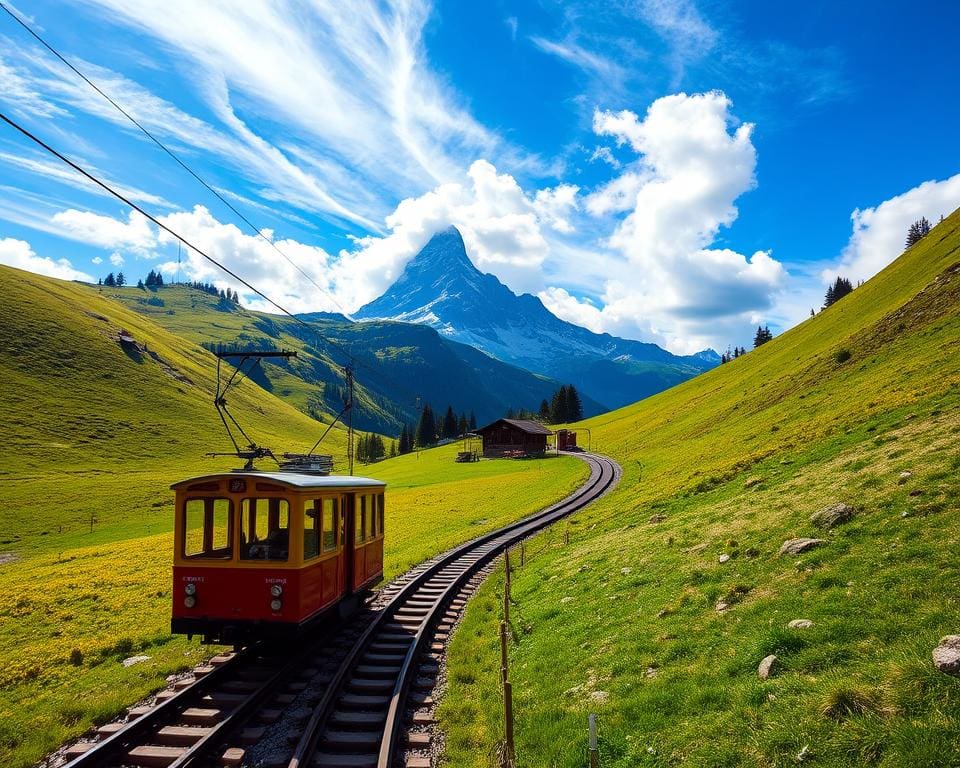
(524, 425)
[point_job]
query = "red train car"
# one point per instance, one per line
(263, 554)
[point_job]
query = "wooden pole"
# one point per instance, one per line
(508, 719)
(506, 586)
(522, 553)
(503, 652)
(594, 754)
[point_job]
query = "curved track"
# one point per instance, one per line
(360, 721)
(385, 666)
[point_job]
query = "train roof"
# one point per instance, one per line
(292, 479)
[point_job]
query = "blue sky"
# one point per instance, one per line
(668, 170)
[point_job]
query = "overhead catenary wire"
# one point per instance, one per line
(141, 210)
(171, 153)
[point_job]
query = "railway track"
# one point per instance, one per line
(367, 686)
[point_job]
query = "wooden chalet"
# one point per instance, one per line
(514, 438)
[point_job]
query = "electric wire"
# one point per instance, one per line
(332, 343)
(173, 155)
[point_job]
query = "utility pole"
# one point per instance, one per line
(348, 372)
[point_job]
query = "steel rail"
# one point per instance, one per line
(604, 473)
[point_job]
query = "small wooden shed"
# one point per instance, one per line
(514, 438)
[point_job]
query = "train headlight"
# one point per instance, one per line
(276, 590)
(190, 589)
(189, 601)
(276, 604)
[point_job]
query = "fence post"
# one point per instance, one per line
(506, 586)
(522, 553)
(508, 717)
(594, 755)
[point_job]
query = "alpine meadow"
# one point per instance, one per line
(429, 384)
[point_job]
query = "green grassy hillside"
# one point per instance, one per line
(627, 620)
(94, 437)
(397, 365)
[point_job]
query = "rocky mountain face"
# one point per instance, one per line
(441, 287)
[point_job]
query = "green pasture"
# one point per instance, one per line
(96, 436)
(623, 621)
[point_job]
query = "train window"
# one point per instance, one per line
(311, 528)
(373, 530)
(329, 525)
(360, 519)
(207, 529)
(264, 529)
(380, 514)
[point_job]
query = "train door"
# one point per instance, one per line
(347, 502)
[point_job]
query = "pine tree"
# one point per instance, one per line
(473, 422)
(544, 412)
(918, 230)
(403, 445)
(840, 288)
(121, 280)
(574, 405)
(427, 428)
(140, 285)
(110, 280)
(510, 413)
(463, 426)
(762, 336)
(558, 406)
(393, 449)
(449, 429)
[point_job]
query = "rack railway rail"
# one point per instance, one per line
(367, 684)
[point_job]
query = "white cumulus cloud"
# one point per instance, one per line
(19, 254)
(693, 161)
(879, 233)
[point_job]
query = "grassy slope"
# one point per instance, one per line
(737, 460)
(92, 431)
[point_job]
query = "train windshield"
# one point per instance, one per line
(208, 529)
(264, 529)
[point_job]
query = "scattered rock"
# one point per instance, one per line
(7, 557)
(917, 492)
(663, 612)
(786, 461)
(626, 571)
(752, 552)
(904, 476)
(946, 656)
(600, 696)
(721, 606)
(752, 481)
(724, 558)
(796, 546)
(804, 753)
(657, 518)
(697, 548)
(651, 672)
(566, 599)
(129, 662)
(800, 624)
(765, 670)
(832, 515)
(583, 569)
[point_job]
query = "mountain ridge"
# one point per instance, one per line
(441, 287)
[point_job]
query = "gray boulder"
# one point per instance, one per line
(800, 624)
(946, 656)
(832, 515)
(796, 546)
(765, 670)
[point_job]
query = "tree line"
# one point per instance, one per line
(430, 428)
(154, 280)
